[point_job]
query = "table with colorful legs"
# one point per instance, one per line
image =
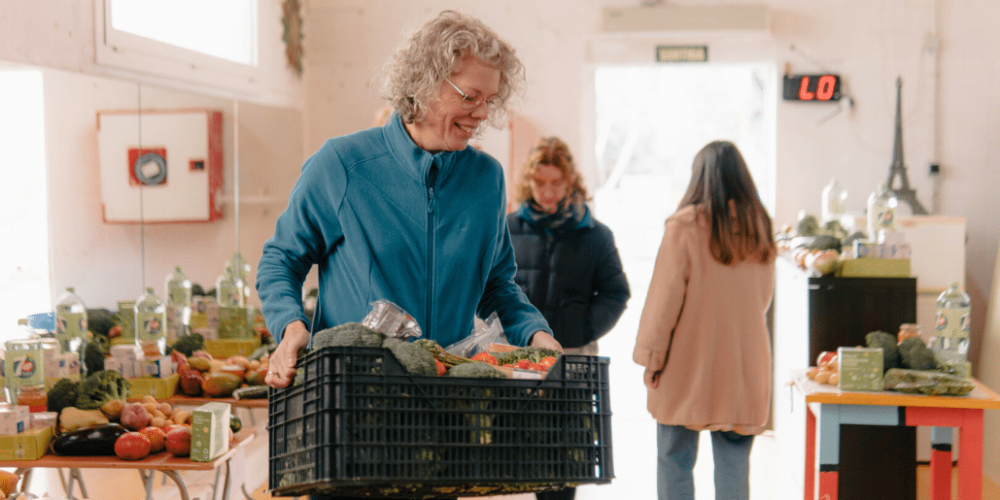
(829, 408)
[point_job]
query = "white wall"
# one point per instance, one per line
(869, 43)
(103, 261)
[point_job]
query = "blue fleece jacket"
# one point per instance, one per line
(381, 223)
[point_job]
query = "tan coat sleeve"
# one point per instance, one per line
(665, 299)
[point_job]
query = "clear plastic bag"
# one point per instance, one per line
(391, 320)
(483, 334)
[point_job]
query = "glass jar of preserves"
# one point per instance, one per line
(907, 330)
(34, 398)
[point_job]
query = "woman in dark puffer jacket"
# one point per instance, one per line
(567, 262)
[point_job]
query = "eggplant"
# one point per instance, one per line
(90, 441)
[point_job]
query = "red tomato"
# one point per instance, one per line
(548, 360)
(132, 446)
(179, 441)
(523, 363)
(824, 358)
(485, 357)
(538, 367)
(440, 367)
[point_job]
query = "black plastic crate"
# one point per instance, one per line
(361, 426)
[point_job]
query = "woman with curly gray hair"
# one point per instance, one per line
(407, 212)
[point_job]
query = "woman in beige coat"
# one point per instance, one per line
(703, 335)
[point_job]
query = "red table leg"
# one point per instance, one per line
(970, 460)
(940, 475)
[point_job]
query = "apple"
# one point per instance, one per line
(824, 358)
(132, 446)
(179, 441)
(157, 438)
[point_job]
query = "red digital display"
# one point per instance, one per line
(816, 88)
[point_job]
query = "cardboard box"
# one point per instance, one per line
(161, 367)
(204, 313)
(234, 323)
(129, 368)
(28, 445)
(210, 431)
(13, 419)
(871, 267)
(860, 368)
(224, 348)
(159, 388)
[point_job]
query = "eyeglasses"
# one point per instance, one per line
(470, 102)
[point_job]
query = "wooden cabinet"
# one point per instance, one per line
(821, 314)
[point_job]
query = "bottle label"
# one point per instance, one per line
(885, 219)
(23, 368)
(953, 322)
(951, 335)
(150, 326)
(178, 294)
(70, 325)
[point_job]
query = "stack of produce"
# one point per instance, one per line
(95, 418)
(815, 248)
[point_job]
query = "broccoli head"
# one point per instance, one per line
(93, 356)
(915, 355)
(890, 352)
(62, 395)
(476, 369)
(414, 359)
(348, 335)
(188, 344)
(99, 388)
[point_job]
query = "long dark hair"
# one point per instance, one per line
(720, 180)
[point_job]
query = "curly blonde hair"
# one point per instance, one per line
(554, 152)
(414, 74)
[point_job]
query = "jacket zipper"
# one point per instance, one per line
(431, 180)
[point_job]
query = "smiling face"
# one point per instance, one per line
(448, 125)
(548, 187)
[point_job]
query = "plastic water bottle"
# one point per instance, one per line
(71, 321)
(953, 325)
(881, 213)
(151, 324)
(834, 201)
(178, 304)
(24, 373)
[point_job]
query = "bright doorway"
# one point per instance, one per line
(650, 121)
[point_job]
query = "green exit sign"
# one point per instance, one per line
(682, 53)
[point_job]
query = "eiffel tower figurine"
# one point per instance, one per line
(904, 192)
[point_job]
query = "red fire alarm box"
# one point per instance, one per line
(160, 166)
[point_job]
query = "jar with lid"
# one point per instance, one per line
(908, 330)
(24, 370)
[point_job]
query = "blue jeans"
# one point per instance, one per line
(677, 450)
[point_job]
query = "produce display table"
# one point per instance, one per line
(163, 462)
(833, 408)
(236, 403)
